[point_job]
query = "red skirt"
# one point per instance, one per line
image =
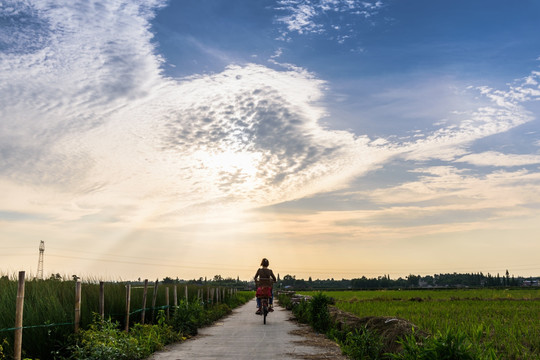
(264, 291)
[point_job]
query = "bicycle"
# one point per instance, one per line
(264, 293)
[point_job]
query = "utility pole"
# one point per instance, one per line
(40, 261)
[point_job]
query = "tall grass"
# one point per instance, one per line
(49, 310)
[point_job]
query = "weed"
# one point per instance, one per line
(105, 340)
(362, 344)
(318, 314)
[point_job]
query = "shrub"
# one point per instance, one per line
(153, 337)
(362, 344)
(2, 356)
(240, 298)
(318, 314)
(451, 345)
(104, 340)
(301, 311)
(285, 301)
(447, 346)
(187, 317)
(214, 313)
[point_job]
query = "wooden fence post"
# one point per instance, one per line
(145, 292)
(186, 295)
(17, 346)
(175, 296)
(128, 303)
(154, 299)
(102, 300)
(77, 305)
(167, 301)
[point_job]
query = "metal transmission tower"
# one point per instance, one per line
(40, 262)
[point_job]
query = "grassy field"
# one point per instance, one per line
(506, 319)
(49, 310)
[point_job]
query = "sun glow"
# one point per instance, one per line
(230, 162)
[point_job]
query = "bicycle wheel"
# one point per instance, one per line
(264, 309)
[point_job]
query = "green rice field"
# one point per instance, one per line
(506, 319)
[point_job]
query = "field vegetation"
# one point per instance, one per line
(49, 318)
(496, 323)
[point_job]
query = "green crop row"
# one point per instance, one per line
(506, 320)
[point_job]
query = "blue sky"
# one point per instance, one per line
(173, 138)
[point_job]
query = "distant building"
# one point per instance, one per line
(530, 283)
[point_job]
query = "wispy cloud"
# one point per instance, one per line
(492, 158)
(505, 111)
(306, 17)
(89, 59)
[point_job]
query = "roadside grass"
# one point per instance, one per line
(48, 315)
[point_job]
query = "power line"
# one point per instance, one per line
(146, 263)
(226, 267)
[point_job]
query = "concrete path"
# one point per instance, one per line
(242, 336)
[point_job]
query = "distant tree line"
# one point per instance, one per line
(410, 281)
(217, 280)
(380, 282)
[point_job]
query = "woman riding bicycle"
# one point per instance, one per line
(264, 274)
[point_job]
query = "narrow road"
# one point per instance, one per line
(242, 336)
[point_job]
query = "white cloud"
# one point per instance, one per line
(492, 158)
(91, 126)
(246, 137)
(445, 188)
(90, 58)
(309, 17)
(505, 112)
(277, 53)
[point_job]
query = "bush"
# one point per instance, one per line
(318, 314)
(362, 344)
(301, 311)
(187, 317)
(285, 301)
(451, 345)
(240, 298)
(314, 312)
(447, 346)
(153, 337)
(4, 342)
(105, 340)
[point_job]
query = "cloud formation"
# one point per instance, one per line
(306, 17)
(88, 60)
(109, 131)
(492, 158)
(96, 142)
(248, 136)
(107, 127)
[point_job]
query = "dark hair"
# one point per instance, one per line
(265, 262)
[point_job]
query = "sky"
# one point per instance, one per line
(337, 138)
